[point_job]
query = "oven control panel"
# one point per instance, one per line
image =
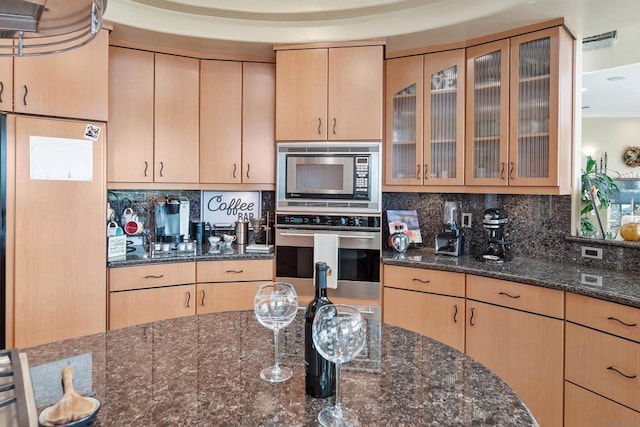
(322, 221)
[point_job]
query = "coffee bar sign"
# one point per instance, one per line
(227, 207)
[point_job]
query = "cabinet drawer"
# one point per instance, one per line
(603, 315)
(549, 302)
(419, 279)
(602, 363)
(151, 276)
(584, 408)
(235, 271)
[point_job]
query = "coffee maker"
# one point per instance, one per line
(172, 219)
(449, 238)
(495, 222)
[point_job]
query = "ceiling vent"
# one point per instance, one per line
(600, 41)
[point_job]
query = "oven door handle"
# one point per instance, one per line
(342, 236)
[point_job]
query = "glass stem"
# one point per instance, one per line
(275, 349)
(337, 410)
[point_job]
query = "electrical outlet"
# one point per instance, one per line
(589, 252)
(466, 219)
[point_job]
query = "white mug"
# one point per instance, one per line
(229, 238)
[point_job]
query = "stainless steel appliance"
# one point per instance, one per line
(495, 222)
(449, 238)
(329, 177)
(172, 219)
(356, 269)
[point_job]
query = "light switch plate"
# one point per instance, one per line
(589, 252)
(466, 219)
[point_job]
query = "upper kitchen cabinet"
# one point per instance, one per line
(425, 119)
(130, 148)
(176, 119)
(520, 111)
(330, 94)
(153, 117)
(237, 108)
(6, 79)
(71, 84)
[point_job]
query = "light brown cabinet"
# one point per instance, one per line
(58, 272)
(6, 79)
(74, 85)
(602, 362)
(147, 293)
(154, 99)
(520, 339)
(520, 111)
(425, 119)
(230, 285)
(329, 94)
(237, 110)
(428, 302)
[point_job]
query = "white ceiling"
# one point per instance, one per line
(252, 27)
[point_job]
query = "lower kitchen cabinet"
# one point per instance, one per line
(524, 348)
(148, 305)
(410, 303)
(603, 357)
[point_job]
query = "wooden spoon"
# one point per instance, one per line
(71, 407)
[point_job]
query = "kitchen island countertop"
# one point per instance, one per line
(204, 370)
(609, 285)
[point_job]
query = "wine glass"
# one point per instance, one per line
(339, 334)
(276, 305)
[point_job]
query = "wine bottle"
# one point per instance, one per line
(320, 378)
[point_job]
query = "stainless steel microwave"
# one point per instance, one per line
(329, 177)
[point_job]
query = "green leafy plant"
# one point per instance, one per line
(602, 186)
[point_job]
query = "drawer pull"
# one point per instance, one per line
(455, 313)
(620, 321)
(471, 318)
(509, 295)
(415, 279)
(611, 368)
(202, 300)
(188, 298)
(154, 277)
(235, 271)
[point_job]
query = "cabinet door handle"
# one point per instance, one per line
(188, 298)
(611, 368)
(624, 323)
(1, 90)
(235, 167)
(415, 279)
(154, 277)
(455, 313)
(334, 125)
(426, 168)
(202, 300)
(146, 166)
(248, 169)
(161, 168)
(418, 172)
(511, 169)
(509, 295)
(235, 271)
(502, 171)
(471, 318)
(24, 98)
(319, 124)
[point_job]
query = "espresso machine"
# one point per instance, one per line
(449, 238)
(495, 222)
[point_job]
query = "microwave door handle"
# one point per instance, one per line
(349, 236)
(296, 234)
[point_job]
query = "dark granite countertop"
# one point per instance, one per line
(609, 285)
(204, 371)
(202, 253)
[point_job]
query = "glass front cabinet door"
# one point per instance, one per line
(444, 80)
(404, 106)
(487, 128)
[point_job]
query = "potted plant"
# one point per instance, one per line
(596, 190)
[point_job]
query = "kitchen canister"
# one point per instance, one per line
(242, 232)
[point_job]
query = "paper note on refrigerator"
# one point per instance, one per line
(60, 159)
(325, 249)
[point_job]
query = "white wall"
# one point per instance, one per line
(613, 136)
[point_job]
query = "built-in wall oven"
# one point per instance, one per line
(303, 239)
(321, 177)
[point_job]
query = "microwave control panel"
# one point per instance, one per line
(362, 177)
